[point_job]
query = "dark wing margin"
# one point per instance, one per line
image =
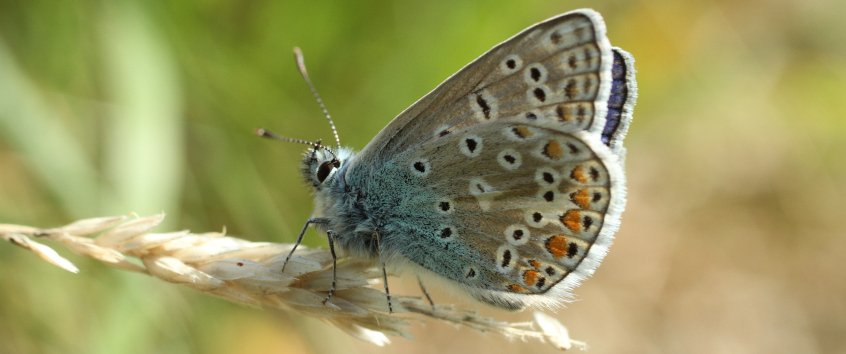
(621, 102)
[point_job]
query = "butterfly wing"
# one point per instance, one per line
(509, 209)
(561, 68)
(506, 178)
(621, 101)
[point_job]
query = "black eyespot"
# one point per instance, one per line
(594, 173)
(573, 148)
(471, 145)
(597, 196)
(549, 196)
(555, 37)
(510, 63)
(506, 258)
(548, 177)
(536, 74)
(471, 273)
(588, 222)
(517, 235)
(537, 217)
(483, 104)
(550, 271)
(445, 206)
(510, 159)
(531, 116)
(446, 232)
(541, 282)
(419, 166)
(324, 169)
(540, 94)
(572, 249)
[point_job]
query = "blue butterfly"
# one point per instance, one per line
(506, 182)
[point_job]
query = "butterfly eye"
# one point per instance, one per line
(324, 169)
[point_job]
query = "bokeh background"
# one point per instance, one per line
(733, 240)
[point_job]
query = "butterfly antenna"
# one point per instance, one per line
(298, 55)
(267, 134)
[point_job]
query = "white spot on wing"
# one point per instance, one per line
(517, 64)
(484, 106)
(471, 145)
(535, 74)
(542, 98)
(517, 234)
(447, 204)
(506, 258)
(420, 167)
(509, 159)
(484, 192)
(547, 177)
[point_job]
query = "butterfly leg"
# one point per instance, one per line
(334, 264)
(422, 287)
(300, 238)
(384, 272)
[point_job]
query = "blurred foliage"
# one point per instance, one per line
(732, 241)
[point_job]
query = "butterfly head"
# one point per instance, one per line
(319, 164)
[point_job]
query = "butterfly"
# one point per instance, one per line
(506, 182)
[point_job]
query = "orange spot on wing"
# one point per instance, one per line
(523, 132)
(563, 115)
(573, 220)
(581, 198)
(535, 264)
(579, 174)
(557, 245)
(517, 288)
(553, 150)
(530, 277)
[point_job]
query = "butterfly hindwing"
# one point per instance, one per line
(524, 206)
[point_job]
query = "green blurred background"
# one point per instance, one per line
(732, 242)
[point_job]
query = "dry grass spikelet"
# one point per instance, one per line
(251, 273)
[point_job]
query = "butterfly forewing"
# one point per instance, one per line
(621, 101)
(557, 70)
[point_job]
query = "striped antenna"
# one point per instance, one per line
(298, 55)
(267, 134)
